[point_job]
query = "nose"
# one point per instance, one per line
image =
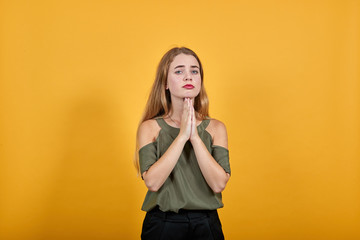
(188, 76)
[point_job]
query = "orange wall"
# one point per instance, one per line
(282, 75)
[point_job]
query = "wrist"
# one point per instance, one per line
(181, 139)
(195, 139)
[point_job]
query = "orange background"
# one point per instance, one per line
(282, 75)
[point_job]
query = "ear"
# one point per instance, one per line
(166, 86)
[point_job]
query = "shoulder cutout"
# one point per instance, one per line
(218, 133)
(147, 132)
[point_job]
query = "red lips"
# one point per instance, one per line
(188, 86)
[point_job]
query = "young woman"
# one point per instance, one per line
(182, 154)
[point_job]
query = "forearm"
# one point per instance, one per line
(214, 174)
(157, 174)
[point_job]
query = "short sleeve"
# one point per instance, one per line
(221, 156)
(147, 156)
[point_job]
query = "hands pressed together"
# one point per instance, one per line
(213, 173)
(188, 128)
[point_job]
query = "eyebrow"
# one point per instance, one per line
(180, 66)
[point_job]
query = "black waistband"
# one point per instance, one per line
(182, 215)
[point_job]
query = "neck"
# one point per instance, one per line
(177, 106)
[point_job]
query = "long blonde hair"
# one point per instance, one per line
(159, 101)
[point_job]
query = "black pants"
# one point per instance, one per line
(187, 225)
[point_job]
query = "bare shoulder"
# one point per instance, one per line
(215, 126)
(147, 132)
(217, 130)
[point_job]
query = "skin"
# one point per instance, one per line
(184, 70)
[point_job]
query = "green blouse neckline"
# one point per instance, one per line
(163, 124)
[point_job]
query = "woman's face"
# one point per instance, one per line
(184, 79)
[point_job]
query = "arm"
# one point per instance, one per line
(157, 174)
(214, 174)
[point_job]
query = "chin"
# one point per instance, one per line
(190, 96)
(186, 95)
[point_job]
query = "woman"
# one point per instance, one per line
(183, 156)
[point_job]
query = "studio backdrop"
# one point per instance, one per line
(282, 75)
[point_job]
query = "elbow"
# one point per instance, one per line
(218, 189)
(150, 183)
(220, 186)
(151, 186)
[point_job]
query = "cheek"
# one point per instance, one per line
(197, 84)
(198, 81)
(172, 82)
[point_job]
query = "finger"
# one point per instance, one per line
(189, 106)
(187, 110)
(194, 124)
(193, 115)
(185, 106)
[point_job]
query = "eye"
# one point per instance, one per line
(178, 72)
(195, 71)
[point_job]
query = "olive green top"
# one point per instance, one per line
(185, 188)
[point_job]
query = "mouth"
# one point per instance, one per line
(188, 86)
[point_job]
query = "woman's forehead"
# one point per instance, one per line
(184, 59)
